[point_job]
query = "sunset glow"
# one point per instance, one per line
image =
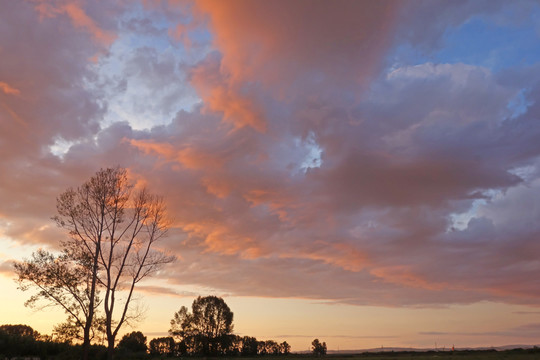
(362, 172)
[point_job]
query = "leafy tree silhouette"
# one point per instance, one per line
(162, 346)
(318, 348)
(133, 342)
(207, 329)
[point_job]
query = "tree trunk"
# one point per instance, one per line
(90, 316)
(86, 341)
(110, 348)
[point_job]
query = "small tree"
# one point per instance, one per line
(20, 331)
(66, 281)
(272, 347)
(285, 348)
(206, 329)
(133, 342)
(318, 348)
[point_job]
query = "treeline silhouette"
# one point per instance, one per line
(230, 345)
(21, 340)
(207, 330)
(204, 330)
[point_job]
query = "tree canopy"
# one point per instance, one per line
(205, 330)
(162, 346)
(318, 348)
(135, 341)
(19, 330)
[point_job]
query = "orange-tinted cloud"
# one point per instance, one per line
(79, 18)
(14, 115)
(342, 255)
(180, 34)
(82, 20)
(189, 157)
(237, 109)
(279, 43)
(216, 186)
(402, 275)
(287, 179)
(8, 89)
(278, 202)
(163, 291)
(221, 95)
(272, 40)
(218, 238)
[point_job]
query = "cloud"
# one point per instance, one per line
(7, 89)
(82, 20)
(6, 268)
(284, 39)
(523, 331)
(162, 290)
(527, 312)
(189, 157)
(52, 103)
(372, 221)
(337, 336)
(222, 96)
(277, 47)
(295, 161)
(389, 201)
(78, 16)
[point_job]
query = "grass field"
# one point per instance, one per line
(432, 355)
(472, 355)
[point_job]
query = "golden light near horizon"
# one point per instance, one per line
(365, 173)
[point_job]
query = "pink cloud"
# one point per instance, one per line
(7, 89)
(79, 18)
(82, 20)
(399, 152)
(270, 41)
(221, 95)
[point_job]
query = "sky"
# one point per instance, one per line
(364, 172)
